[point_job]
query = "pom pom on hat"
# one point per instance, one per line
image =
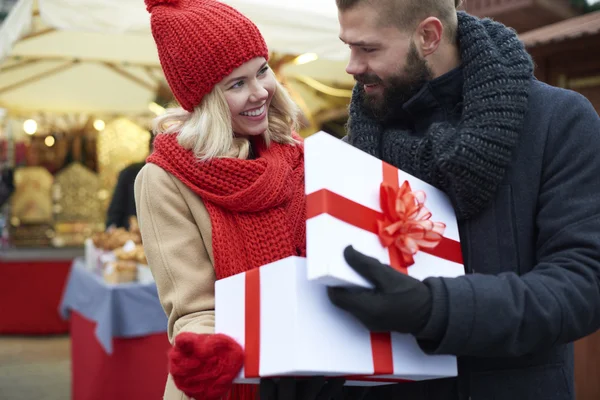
(199, 43)
(150, 4)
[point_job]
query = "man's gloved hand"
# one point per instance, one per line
(313, 388)
(397, 303)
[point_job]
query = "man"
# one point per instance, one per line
(452, 100)
(7, 184)
(122, 204)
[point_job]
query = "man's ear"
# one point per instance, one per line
(429, 35)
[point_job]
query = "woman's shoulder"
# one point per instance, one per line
(158, 179)
(152, 173)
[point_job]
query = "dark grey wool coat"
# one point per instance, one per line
(532, 257)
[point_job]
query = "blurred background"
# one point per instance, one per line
(80, 83)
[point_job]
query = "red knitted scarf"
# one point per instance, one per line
(257, 207)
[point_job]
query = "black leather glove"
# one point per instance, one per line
(398, 302)
(313, 388)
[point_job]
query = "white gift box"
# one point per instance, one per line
(343, 206)
(288, 327)
(144, 274)
(93, 255)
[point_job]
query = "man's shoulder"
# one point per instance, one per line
(545, 96)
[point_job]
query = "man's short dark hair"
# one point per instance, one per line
(407, 14)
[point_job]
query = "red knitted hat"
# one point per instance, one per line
(199, 43)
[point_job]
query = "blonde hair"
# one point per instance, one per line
(208, 133)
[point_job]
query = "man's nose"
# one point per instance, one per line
(355, 66)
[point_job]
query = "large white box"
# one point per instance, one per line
(288, 327)
(343, 198)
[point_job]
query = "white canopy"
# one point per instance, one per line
(98, 56)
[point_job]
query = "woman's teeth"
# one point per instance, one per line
(255, 113)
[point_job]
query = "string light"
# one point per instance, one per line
(99, 125)
(30, 126)
(49, 141)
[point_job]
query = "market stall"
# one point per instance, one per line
(71, 75)
(80, 87)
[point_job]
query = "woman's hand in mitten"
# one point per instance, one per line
(204, 366)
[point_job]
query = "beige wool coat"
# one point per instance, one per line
(177, 238)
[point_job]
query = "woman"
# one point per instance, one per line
(223, 191)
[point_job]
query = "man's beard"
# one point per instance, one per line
(397, 89)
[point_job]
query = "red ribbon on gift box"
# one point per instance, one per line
(404, 228)
(252, 324)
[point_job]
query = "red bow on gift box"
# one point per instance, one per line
(406, 221)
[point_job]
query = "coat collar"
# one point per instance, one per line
(445, 92)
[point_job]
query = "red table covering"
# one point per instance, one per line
(30, 293)
(136, 370)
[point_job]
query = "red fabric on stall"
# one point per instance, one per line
(136, 370)
(30, 292)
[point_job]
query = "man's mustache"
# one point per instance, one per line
(367, 79)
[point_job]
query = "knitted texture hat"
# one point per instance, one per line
(199, 43)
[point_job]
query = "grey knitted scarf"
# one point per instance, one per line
(467, 161)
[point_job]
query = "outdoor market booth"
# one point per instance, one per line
(79, 89)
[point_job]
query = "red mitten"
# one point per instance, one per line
(204, 366)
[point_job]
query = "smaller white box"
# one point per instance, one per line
(343, 186)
